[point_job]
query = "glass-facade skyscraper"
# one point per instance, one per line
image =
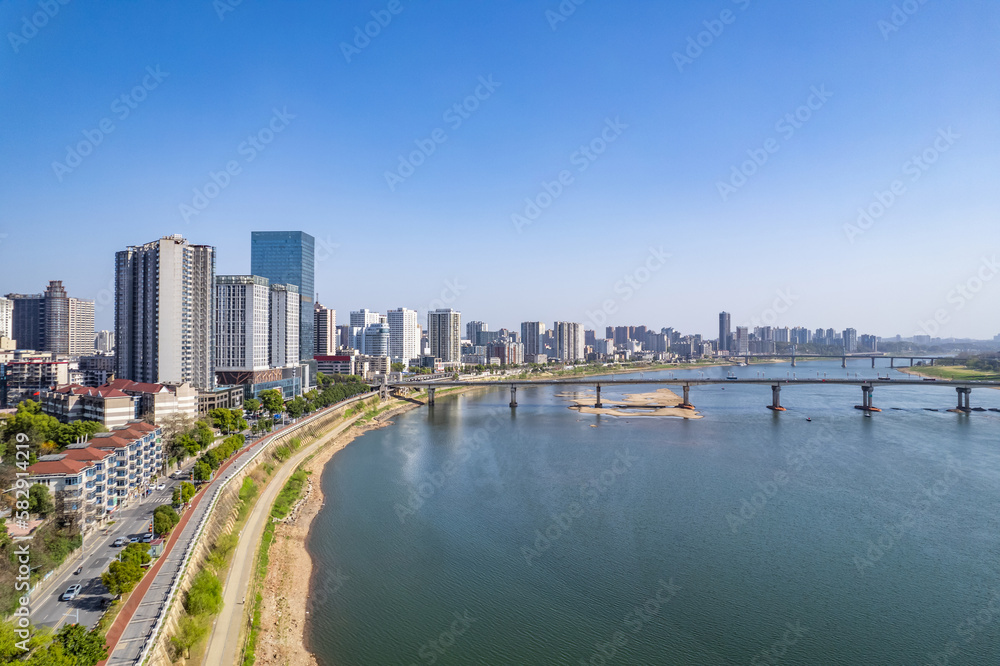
(289, 257)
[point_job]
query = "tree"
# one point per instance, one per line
(86, 647)
(187, 491)
(204, 434)
(136, 553)
(252, 406)
(205, 594)
(122, 577)
(239, 423)
(297, 407)
(272, 400)
(222, 419)
(175, 499)
(40, 500)
(164, 519)
(397, 367)
(202, 471)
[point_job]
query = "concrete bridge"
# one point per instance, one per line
(843, 357)
(867, 386)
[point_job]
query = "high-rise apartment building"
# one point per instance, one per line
(52, 321)
(364, 316)
(28, 320)
(444, 334)
(164, 293)
(473, 329)
(376, 340)
(284, 326)
(81, 327)
(533, 338)
(725, 330)
(6, 318)
(569, 341)
(289, 257)
(104, 342)
(326, 331)
(404, 335)
(850, 340)
(741, 341)
(241, 323)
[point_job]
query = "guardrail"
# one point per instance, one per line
(175, 583)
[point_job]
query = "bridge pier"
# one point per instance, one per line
(687, 402)
(932, 361)
(843, 361)
(911, 362)
(867, 404)
(776, 399)
(793, 360)
(513, 396)
(892, 362)
(873, 361)
(963, 399)
(430, 397)
(597, 405)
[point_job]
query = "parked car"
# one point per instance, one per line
(147, 537)
(70, 592)
(120, 541)
(134, 539)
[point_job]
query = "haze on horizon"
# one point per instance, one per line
(627, 126)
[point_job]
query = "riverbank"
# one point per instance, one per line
(951, 372)
(291, 575)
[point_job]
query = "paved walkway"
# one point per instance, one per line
(224, 645)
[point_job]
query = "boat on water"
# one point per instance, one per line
(731, 376)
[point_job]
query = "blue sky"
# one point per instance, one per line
(783, 247)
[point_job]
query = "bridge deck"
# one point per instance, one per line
(688, 381)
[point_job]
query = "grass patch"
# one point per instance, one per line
(958, 372)
(289, 494)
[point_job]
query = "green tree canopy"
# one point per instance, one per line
(122, 577)
(205, 594)
(40, 500)
(272, 400)
(164, 519)
(202, 471)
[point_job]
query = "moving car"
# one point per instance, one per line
(120, 541)
(161, 486)
(70, 592)
(78, 570)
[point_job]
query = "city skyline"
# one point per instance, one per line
(862, 143)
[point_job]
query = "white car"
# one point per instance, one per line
(70, 592)
(161, 486)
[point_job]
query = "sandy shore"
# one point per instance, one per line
(284, 608)
(661, 402)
